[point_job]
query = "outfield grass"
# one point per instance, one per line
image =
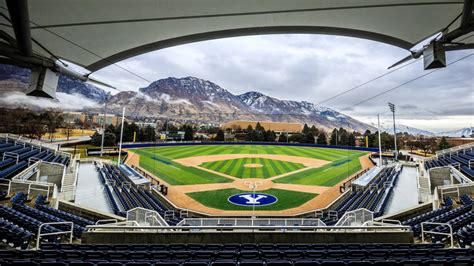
(218, 199)
(159, 161)
(236, 168)
(328, 175)
(174, 173)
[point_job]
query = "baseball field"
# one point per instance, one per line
(205, 177)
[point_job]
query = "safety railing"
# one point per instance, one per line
(115, 228)
(39, 235)
(423, 231)
(251, 222)
(106, 221)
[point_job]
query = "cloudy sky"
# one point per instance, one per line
(314, 68)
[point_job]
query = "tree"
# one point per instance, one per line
(109, 139)
(309, 138)
(259, 127)
(249, 128)
(300, 138)
(334, 136)
(188, 132)
(443, 144)
(427, 145)
(270, 136)
(68, 130)
(322, 139)
(412, 144)
(306, 129)
(351, 140)
(220, 135)
(283, 137)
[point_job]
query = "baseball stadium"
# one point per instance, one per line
(202, 178)
(133, 191)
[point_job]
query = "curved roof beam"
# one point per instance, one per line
(247, 32)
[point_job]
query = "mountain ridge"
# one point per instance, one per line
(205, 101)
(192, 98)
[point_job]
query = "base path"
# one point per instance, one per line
(198, 160)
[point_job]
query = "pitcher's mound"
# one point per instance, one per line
(253, 165)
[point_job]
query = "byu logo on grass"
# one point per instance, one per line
(252, 199)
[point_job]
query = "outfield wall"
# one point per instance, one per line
(145, 145)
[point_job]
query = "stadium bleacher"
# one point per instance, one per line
(374, 197)
(21, 222)
(462, 158)
(15, 157)
(459, 219)
(123, 197)
(240, 254)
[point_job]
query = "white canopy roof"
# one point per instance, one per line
(97, 33)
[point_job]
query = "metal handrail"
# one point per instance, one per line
(91, 228)
(450, 234)
(39, 235)
(106, 221)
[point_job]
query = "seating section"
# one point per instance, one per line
(459, 219)
(65, 215)
(463, 158)
(15, 156)
(28, 223)
(123, 197)
(374, 197)
(19, 198)
(465, 236)
(455, 224)
(14, 235)
(21, 222)
(239, 254)
(48, 218)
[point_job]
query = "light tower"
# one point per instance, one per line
(392, 109)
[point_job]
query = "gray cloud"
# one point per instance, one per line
(314, 68)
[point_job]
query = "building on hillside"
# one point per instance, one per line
(146, 124)
(277, 127)
(74, 117)
(459, 141)
(110, 119)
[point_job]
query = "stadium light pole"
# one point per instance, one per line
(380, 141)
(392, 109)
(121, 136)
(103, 125)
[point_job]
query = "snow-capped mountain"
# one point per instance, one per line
(277, 109)
(466, 132)
(387, 126)
(186, 98)
(200, 100)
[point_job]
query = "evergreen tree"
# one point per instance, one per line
(249, 128)
(270, 136)
(443, 144)
(259, 127)
(322, 139)
(352, 140)
(109, 139)
(310, 138)
(334, 136)
(188, 132)
(220, 135)
(306, 129)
